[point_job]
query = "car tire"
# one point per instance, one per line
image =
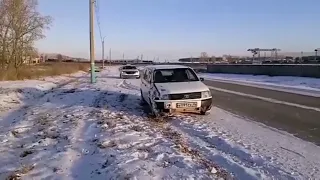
(143, 101)
(203, 112)
(152, 109)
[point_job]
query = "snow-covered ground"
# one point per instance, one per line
(76, 130)
(19, 92)
(300, 85)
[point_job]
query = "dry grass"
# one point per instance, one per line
(17, 175)
(43, 70)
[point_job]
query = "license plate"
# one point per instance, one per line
(186, 105)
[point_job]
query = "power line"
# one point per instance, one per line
(97, 11)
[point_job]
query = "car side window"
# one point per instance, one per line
(145, 75)
(191, 75)
(150, 76)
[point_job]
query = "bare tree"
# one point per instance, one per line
(204, 57)
(213, 59)
(59, 57)
(21, 25)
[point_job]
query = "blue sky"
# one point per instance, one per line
(170, 29)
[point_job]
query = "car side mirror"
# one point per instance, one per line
(201, 79)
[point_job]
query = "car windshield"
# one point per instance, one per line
(174, 75)
(129, 67)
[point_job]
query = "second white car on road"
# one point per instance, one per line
(129, 71)
(170, 88)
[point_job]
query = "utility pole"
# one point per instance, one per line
(123, 56)
(91, 24)
(110, 55)
(103, 52)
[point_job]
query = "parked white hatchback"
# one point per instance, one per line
(171, 88)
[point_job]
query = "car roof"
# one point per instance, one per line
(155, 67)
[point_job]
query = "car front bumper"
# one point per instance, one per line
(171, 105)
(130, 75)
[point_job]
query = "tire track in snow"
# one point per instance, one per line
(125, 85)
(244, 165)
(185, 147)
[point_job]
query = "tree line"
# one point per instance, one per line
(21, 25)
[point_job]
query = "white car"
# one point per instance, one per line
(170, 88)
(129, 71)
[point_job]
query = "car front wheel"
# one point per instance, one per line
(143, 101)
(154, 110)
(203, 112)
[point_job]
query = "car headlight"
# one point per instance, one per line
(165, 97)
(206, 94)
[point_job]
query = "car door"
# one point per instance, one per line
(145, 84)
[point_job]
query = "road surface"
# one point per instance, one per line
(296, 114)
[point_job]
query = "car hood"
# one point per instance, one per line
(181, 87)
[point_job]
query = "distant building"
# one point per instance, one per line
(31, 60)
(128, 61)
(189, 60)
(197, 59)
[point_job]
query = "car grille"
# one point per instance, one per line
(195, 95)
(130, 72)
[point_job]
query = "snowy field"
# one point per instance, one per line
(67, 128)
(300, 85)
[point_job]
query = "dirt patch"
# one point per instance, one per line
(137, 128)
(70, 91)
(108, 144)
(17, 175)
(26, 153)
(122, 97)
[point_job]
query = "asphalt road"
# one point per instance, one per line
(301, 122)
